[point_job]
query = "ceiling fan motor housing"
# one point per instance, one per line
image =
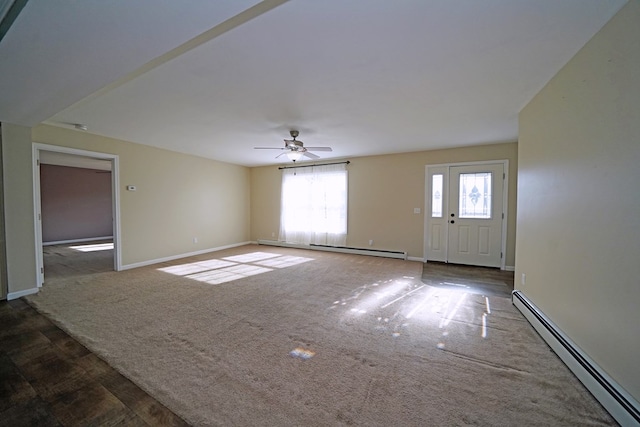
(294, 145)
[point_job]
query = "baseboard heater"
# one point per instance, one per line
(343, 249)
(620, 404)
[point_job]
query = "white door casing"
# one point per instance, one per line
(469, 230)
(115, 195)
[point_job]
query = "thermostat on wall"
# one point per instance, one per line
(131, 188)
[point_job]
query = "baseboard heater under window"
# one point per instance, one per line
(620, 404)
(343, 249)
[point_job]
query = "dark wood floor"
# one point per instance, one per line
(47, 378)
(479, 280)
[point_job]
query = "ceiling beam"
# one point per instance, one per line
(9, 11)
(228, 25)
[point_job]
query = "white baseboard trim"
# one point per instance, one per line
(342, 249)
(19, 294)
(179, 256)
(65, 242)
(415, 258)
(510, 268)
(615, 399)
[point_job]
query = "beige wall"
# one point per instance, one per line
(578, 209)
(18, 207)
(383, 191)
(178, 197)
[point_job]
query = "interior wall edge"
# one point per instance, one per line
(18, 208)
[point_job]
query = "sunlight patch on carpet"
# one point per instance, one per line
(228, 274)
(196, 267)
(94, 247)
(403, 296)
(390, 305)
(375, 295)
(447, 319)
(228, 269)
(251, 257)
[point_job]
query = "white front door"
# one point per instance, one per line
(465, 214)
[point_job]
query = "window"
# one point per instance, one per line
(314, 205)
(436, 195)
(475, 195)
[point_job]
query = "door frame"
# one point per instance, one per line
(427, 203)
(37, 212)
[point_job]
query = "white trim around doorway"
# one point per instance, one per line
(115, 195)
(505, 203)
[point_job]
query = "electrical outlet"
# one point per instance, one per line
(416, 210)
(273, 234)
(523, 279)
(195, 240)
(370, 242)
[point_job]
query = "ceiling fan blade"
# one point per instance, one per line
(269, 148)
(281, 154)
(310, 155)
(319, 148)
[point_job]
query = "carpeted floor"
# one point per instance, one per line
(81, 259)
(275, 336)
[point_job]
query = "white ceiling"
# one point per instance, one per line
(216, 79)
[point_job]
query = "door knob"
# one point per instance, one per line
(453, 214)
(452, 222)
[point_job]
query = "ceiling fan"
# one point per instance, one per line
(295, 149)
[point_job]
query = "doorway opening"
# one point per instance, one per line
(466, 213)
(76, 203)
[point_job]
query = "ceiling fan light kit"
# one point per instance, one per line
(294, 155)
(296, 149)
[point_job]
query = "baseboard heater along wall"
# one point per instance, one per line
(343, 249)
(620, 404)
